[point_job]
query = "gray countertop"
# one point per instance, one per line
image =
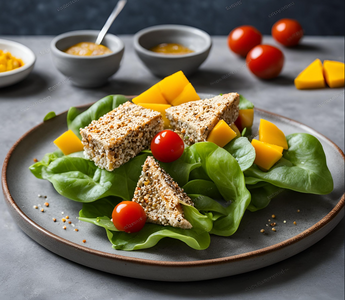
(29, 271)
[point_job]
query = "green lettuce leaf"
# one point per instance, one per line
(79, 179)
(77, 119)
(99, 213)
(243, 151)
(302, 168)
(245, 104)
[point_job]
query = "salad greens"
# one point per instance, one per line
(222, 182)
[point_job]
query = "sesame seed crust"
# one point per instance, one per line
(160, 196)
(194, 120)
(120, 135)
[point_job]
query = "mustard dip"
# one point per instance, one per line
(88, 49)
(171, 48)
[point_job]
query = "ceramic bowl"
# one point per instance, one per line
(19, 51)
(163, 65)
(86, 71)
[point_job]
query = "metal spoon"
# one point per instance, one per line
(119, 6)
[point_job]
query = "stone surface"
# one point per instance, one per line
(29, 271)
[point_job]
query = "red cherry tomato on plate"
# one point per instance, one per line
(265, 61)
(167, 146)
(287, 32)
(244, 38)
(129, 216)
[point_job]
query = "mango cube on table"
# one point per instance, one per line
(69, 143)
(311, 77)
(334, 73)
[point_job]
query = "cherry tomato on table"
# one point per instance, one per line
(129, 216)
(265, 61)
(287, 32)
(244, 38)
(167, 146)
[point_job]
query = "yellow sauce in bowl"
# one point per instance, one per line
(88, 49)
(171, 48)
(8, 62)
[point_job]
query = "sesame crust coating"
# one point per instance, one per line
(194, 120)
(160, 196)
(120, 135)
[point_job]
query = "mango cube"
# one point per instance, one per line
(152, 95)
(160, 108)
(311, 77)
(173, 85)
(188, 94)
(245, 118)
(266, 155)
(69, 143)
(221, 134)
(334, 73)
(270, 133)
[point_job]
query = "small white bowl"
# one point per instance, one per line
(19, 51)
(86, 71)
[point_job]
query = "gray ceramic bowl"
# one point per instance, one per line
(86, 71)
(163, 65)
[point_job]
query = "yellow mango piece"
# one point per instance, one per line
(245, 118)
(221, 134)
(152, 95)
(266, 155)
(334, 73)
(234, 128)
(270, 133)
(188, 94)
(311, 77)
(173, 85)
(69, 143)
(160, 108)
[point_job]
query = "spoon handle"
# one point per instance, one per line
(119, 6)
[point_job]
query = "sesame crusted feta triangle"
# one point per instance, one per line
(160, 196)
(194, 120)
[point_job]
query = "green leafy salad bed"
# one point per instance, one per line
(212, 177)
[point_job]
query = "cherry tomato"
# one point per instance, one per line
(287, 32)
(244, 38)
(167, 146)
(265, 61)
(129, 216)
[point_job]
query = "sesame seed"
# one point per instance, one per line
(63, 220)
(298, 210)
(262, 230)
(42, 210)
(273, 229)
(273, 224)
(273, 216)
(67, 217)
(35, 206)
(284, 221)
(54, 220)
(64, 228)
(35, 160)
(76, 229)
(46, 204)
(294, 222)
(84, 241)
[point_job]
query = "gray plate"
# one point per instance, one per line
(170, 260)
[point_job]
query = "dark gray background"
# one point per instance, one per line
(217, 17)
